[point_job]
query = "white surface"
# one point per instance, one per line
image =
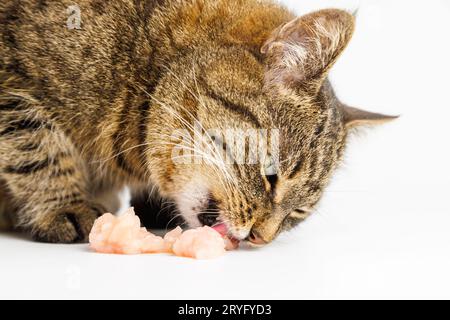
(383, 228)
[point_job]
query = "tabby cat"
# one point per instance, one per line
(91, 94)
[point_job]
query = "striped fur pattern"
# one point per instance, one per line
(85, 112)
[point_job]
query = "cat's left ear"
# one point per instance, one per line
(300, 53)
(354, 117)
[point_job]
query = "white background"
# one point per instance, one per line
(382, 230)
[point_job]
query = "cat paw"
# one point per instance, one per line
(68, 225)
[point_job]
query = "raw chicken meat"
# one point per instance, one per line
(124, 235)
(200, 243)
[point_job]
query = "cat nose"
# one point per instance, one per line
(255, 238)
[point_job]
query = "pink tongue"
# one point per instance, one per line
(221, 228)
(230, 242)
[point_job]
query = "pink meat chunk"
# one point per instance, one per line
(124, 235)
(200, 243)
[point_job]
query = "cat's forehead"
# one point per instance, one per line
(235, 70)
(238, 78)
(310, 131)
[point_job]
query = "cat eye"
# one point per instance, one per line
(273, 179)
(269, 172)
(299, 214)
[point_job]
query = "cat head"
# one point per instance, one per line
(284, 91)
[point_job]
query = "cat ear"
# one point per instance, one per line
(300, 53)
(354, 117)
